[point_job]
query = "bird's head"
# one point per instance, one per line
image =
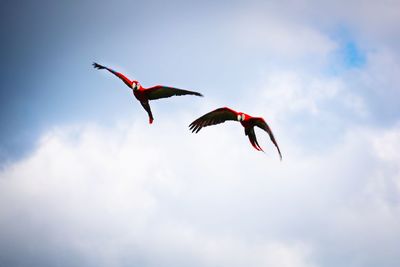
(241, 117)
(136, 85)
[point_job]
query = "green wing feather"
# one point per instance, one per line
(214, 117)
(159, 91)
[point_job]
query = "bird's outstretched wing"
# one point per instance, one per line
(217, 116)
(159, 91)
(118, 74)
(260, 122)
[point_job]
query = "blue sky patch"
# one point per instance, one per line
(352, 55)
(349, 53)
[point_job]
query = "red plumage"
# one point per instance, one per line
(144, 95)
(221, 115)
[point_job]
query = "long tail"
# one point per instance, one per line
(146, 106)
(252, 138)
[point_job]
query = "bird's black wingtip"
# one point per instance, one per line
(280, 155)
(97, 66)
(198, 94)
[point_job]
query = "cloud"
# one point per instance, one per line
(373, 22)
(280, 37)
(113, 197)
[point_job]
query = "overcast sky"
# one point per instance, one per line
(86, 181)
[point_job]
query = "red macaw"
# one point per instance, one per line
(221, 115)
(145, 94)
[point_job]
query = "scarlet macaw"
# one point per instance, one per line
(221, 115)
(145, 94)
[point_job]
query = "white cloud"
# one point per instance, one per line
(375, 23)
(294, 92)
(159, 194)
(381, 74)
(269, 34)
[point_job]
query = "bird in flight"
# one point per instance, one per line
(221, 115)
(145, 94)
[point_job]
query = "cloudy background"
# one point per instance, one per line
(86, 181)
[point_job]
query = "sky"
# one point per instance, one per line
(86, 181)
